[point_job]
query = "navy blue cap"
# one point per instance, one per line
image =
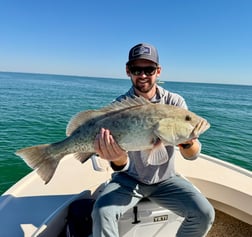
(144, 51)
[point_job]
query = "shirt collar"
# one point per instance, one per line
(156, 98)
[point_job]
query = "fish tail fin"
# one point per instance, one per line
(39, 158)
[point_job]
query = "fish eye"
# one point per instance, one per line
(188, 118)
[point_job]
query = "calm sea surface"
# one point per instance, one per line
(35, 109)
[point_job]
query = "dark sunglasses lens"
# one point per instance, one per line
(135, 71)
(148, 71)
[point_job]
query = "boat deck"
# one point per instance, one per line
(228, 226)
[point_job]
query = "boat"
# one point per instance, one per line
(160, 82)
(31, 208)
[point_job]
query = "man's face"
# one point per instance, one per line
(143, 74)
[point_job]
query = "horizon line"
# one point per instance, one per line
(106, 77)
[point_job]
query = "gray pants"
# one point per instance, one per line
(175, 194)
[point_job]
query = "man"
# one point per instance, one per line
(134, 180)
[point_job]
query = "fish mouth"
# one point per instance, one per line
(200, 128)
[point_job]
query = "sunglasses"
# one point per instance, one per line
(148, 71)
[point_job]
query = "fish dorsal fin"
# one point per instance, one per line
(127, 102)
(82, 117)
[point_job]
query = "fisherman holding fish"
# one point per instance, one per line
(135, 177)
(136, 134)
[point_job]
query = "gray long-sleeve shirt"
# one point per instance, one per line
(136, 168)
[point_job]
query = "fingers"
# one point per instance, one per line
(106, 146)
(105, 143)
(101, 143)
(116, 148)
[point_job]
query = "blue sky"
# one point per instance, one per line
(198, 40)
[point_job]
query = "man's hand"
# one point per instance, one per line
(190, 149)
(107, 148)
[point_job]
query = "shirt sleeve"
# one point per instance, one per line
(120, 168)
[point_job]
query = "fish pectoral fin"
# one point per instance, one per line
(155, 156)
(82, 156)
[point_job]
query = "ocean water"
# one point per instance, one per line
(35, 109)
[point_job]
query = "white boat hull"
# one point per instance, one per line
(31, 208)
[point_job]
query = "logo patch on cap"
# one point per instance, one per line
(141, 50)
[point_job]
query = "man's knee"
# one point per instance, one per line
(207, 217)
(108, 213)
(204, 217)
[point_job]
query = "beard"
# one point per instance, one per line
(143, 85)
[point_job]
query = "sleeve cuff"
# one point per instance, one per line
(122, 167)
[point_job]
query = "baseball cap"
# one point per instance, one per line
(144, 51)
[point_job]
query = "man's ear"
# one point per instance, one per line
(127, 71)
(159, 69)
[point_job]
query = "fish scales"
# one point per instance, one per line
(135, 123)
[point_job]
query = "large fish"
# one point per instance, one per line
(135, 123)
